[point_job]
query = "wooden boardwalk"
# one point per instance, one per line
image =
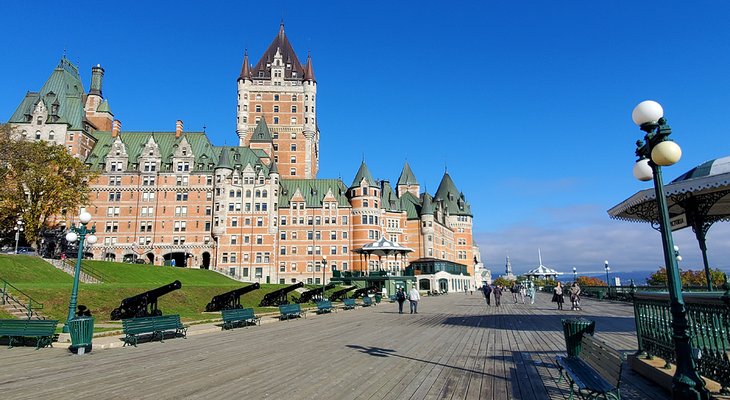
(454, 348)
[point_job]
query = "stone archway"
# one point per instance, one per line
(424, 284)
(151, 258)
(206, 261)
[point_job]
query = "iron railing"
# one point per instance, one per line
(31, 306)
(708, 315)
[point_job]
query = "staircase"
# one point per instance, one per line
(13, 305)
(66, 266)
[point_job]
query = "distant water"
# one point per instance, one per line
(639, 277)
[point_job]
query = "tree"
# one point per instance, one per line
(40, 181)
(590, 281)
(688, 277)
(502, 281)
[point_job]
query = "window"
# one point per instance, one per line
(181, 196)
(292, 171)
(276, 120)
(276, 107)
(293, 97)
(293, 109)
(276, 97)
(258, 107)
(293, 120)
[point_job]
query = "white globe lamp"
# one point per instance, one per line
(666, 153)
(642, 170)
(647, 111)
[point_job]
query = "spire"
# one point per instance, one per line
(363, 173)
(223, 160)
(427, 207)
(262, 132)
(539, 256)
(280, 44)
(406, 176)
(309, 70)
(245, 69)
(451, 197)
(273, 169)
(281, 27)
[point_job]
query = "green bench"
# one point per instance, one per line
(239, 316)
(134, 327)
(324, 306)
(18, 329)
(289, 311)
(367, 301)
(595, 372)
(348, 304)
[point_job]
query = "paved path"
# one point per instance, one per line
(454, 348)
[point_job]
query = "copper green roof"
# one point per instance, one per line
(223, 160)
(261, 133)
(104, 107)
(64, 88)
(388, 199)
(313, 191)
(427, 208)
(452, 199)
(406, 176)
(411, 205)
(363, 173)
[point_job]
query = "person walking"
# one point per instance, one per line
(531, 292)
(558, 296)
(400, 297)
(487, 290)
(575, 296)
(414, 298)
(497, 295)
(514, 290)
(522, 292)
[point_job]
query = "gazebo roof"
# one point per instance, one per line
(383, 247)
(542, 270)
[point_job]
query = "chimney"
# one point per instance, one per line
(97, 75)
(178, 128)
(116, 127)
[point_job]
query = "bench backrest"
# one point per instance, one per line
(605, 360)
(324, 304)
(348, 302)
(237, 313)
(290, 308)
(367, 300)
(150, 324)
(28, 327)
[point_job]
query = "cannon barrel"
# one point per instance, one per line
(337, 295)
(229, 300)
(143, 304)
(363, 291)
(310, 294)
(278, 297)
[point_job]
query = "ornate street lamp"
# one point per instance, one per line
(79, 233)
(19, 227)
(608, 283)
(655, 151)
(324, 269)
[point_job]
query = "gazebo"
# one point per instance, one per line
(384, 248)
(542, 272)
(697, 198)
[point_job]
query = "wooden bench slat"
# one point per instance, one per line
(597, 369)
(40, 330)
(154, 325)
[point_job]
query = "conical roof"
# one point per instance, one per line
(427, 207)
(224, 161)
(406, 176)
(245, 68)
(261, 134)
(309, 70)
(273, 168)
(363, 173)
(282, 45)
(388, 199)
(453, 200)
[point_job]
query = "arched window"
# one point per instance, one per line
(38, 135)
(51, 135)
(258, 194)
(265, 194)
(248, 194)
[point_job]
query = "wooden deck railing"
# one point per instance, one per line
(708, 315)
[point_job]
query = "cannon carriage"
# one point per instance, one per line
(143, 304)
(279, 297)
(230, 300)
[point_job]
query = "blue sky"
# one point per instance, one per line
(527, 104)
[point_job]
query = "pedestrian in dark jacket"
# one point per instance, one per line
(558, 296)
(400, 297)
(487, 290)
(497, 295)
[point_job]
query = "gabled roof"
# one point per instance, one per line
(388, 200)
(363, 173)
(280, 43)
(313, 190)
(411, 205)
(406, 176)
(63, 88)
(452, 199)
(261, 134)
(104, 107)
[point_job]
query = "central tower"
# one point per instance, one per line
(282, 92)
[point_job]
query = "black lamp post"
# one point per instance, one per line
(608, 283)
(79, 233)
(324, 269)
(19, 227)
(575, 274)
(655, 151)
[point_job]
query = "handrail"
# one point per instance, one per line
(85, 268)
(708, 317)
(6, 298)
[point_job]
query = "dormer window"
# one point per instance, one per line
(152, 153)
(39, 121)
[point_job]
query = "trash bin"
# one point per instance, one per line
(378, 298)
(574, 328)
(81, 330)
(601, 294)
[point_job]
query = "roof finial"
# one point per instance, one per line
(204, 128)
(281, 26)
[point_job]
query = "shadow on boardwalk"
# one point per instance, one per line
(541, 322)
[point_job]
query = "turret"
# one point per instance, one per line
(311, 134)
(244, 86)
(407, 182)
(97, 75)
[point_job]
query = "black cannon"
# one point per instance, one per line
(307, 296)
(229, 300)
(143, 304)
(363, 291)
(278, 297)
(342, 293)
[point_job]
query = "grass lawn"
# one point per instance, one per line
(52, 287)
